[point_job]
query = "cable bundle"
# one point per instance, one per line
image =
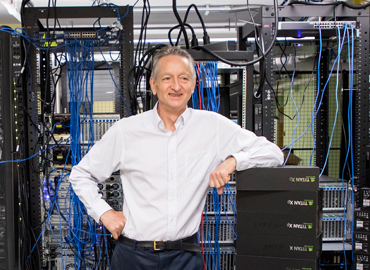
(318, 102)
(206, 79)
(206, 96)
(77, 232)
(216, 209)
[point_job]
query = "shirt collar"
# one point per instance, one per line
(157, 121)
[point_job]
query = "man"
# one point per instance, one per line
(168, 157)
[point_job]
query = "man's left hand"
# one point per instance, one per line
(221, 175)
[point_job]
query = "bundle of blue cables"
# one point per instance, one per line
(206, 96)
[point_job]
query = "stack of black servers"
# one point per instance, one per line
(361, 232)
(279, 218)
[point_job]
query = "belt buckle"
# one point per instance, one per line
(155, 244)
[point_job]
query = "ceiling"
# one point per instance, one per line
(221, 18)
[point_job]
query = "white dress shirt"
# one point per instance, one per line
(165, 175)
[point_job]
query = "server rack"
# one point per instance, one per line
(237, 89)
(67, 23)
(338, 15)
(327, 18)
(11, 148)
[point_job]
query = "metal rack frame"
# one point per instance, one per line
(37, 84)
(361, 103)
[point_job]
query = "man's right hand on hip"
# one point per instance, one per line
(114, 221)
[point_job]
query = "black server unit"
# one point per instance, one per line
(10, 65)
(279, 218)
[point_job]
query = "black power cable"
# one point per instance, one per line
(206, 39)
(199, 16)
(276, 21)
(174, 8)
(138, 70)
(177, 26)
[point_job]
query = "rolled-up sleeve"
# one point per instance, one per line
(248, 149)
(258, 152)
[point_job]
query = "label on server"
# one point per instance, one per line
(363, 247)
(362, 214)
(361, 236)
(366, 202)
(362, 258)
(364, 225)
(360, 266)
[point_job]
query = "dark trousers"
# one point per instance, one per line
(126, 257)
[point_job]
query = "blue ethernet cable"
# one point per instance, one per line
(231, 200)
(209, 254)
(46, 222)
(194, 96)
(216, 205)
(311, 124)
(25, 159)
(78, 81)
(228, 220)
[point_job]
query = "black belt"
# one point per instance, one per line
(182, 244)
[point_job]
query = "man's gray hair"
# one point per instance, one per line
(171, 50)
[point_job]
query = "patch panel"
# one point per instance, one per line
(91, 34)
(332, 24)
(310, 25)
(227, 258)
(225, 230)
(73, 35)
(226, 202)
(333, 227)
(94, 128)
(334, 195)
